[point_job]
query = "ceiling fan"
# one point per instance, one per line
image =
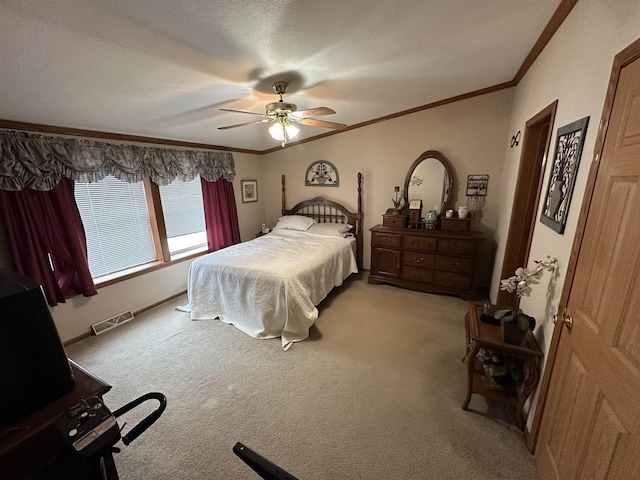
(285, 115)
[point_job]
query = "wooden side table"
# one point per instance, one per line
(479, 335)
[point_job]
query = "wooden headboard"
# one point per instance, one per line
(323, 210)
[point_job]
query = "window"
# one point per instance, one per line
(183, 215)
(116, 223)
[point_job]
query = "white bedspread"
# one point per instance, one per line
(269, 287)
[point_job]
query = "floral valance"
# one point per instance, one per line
(39, 162)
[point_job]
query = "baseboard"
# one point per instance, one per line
(136, 313)
(77, 339)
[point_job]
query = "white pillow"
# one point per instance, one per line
(340, 229)
(294, 222)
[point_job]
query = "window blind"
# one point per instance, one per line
(116, 223)
(183, 214)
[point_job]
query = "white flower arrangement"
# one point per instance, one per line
(521, 282)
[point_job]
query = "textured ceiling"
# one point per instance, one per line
(163, 68)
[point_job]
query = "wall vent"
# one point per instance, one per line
(112, 322)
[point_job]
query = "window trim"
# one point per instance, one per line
(156, 218)
(133, 272)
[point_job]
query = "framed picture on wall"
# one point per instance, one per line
(566, 160)
(249, 190)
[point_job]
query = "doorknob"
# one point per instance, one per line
(567, 320)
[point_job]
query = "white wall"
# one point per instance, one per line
(251, 215)
(574, 68)
(473, 134)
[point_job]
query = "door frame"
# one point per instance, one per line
(526, 197)
(623, 58)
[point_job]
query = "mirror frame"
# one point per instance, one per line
(449, 171)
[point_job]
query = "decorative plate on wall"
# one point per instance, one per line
(322, 174)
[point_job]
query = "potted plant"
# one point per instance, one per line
(515, 323)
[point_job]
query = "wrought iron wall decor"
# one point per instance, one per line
(477, 185)
(322, 174)
(515, 140)
(566, 160)
(476, 192)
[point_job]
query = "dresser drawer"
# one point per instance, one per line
(386, 240)
(391, 220)
(458, 247)
(454, 225)
(454, 264)
(452, 280)
(417, 274)
(417, 259)
(414, 242)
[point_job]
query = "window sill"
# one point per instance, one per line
(122, 275)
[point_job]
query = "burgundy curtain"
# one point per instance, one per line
(44, 228)
(220, 214)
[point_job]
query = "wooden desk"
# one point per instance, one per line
(489, 337)
(29, 444)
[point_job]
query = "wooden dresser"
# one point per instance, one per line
(434, 261)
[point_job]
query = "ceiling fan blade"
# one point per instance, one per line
(314, 112)
(241, 111)
(247, 123)
(321, 123)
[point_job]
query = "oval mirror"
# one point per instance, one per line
(430, 179)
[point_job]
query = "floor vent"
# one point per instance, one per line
(112, 322)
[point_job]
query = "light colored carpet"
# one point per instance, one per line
(374, 393)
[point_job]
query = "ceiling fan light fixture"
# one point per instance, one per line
(283, 113)
(292, 131)
(283, 131)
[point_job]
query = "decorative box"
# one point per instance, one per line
(415, 212)
(394, 220)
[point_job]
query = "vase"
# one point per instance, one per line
(512, 333)
(462, 212)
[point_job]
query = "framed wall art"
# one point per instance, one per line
(566, 160)
(249, 190)
(322, 174)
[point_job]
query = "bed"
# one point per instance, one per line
(270, 287)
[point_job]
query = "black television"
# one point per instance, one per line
(34, 369)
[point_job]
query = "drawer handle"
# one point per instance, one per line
(419, 260)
